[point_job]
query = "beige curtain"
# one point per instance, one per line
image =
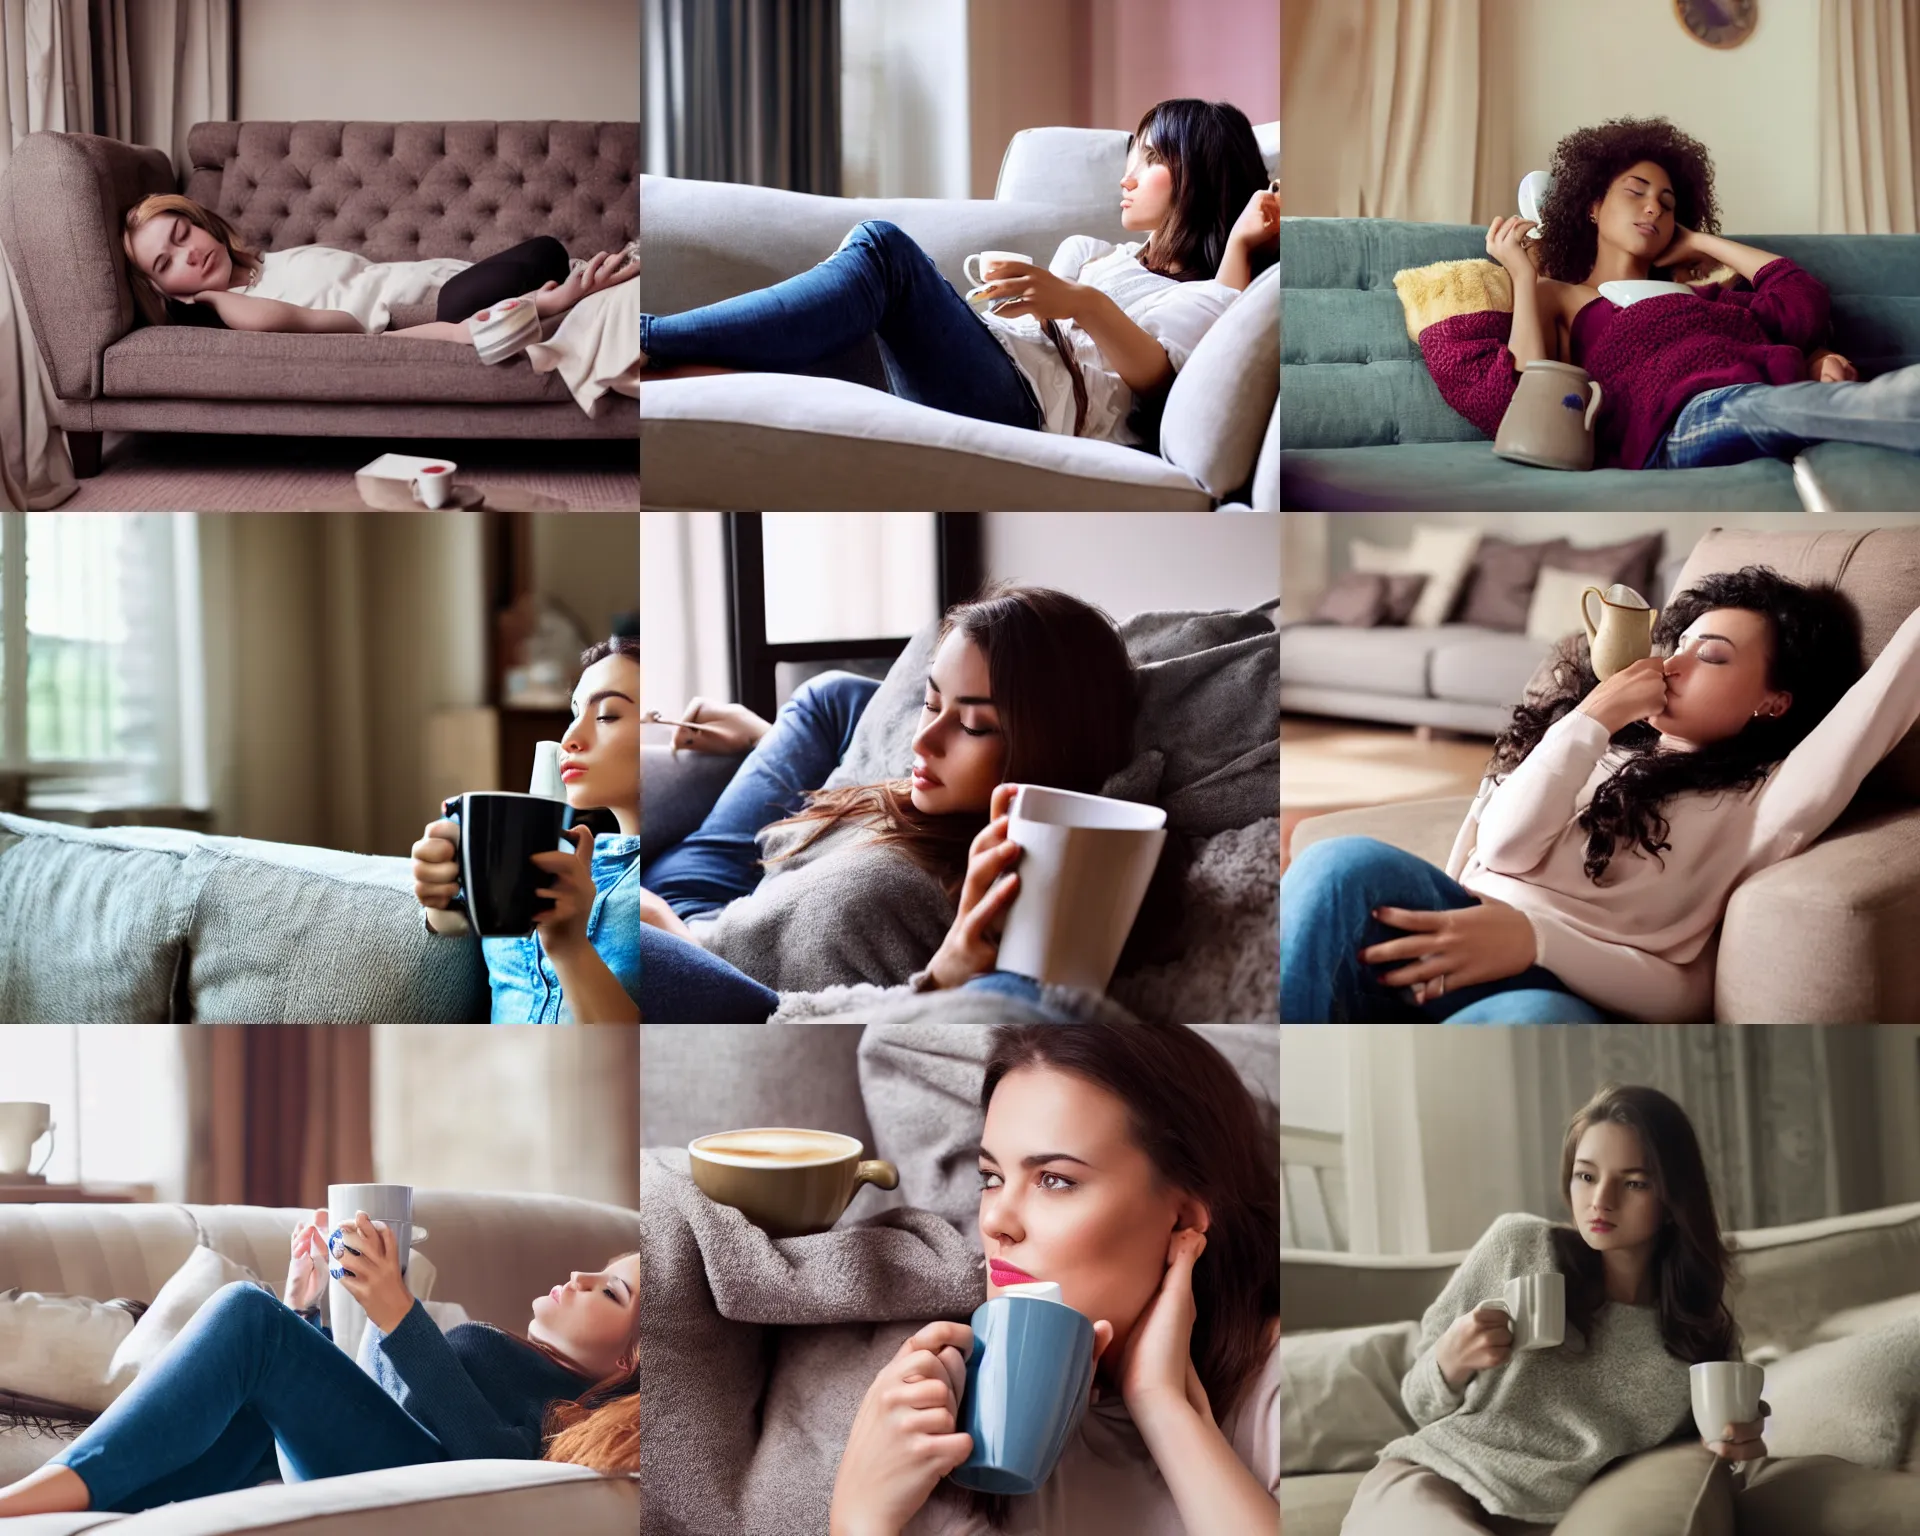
(1869, 114)
(164, 66)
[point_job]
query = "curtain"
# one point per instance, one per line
(164, 65)
(683, 612)
(743, 91)
(1869, 114)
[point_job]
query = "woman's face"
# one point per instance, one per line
(1717, 679)
(180, 257)
(1146, 190)
(600, 754)
(1615, 1202)
(959, 750)
(1066, 1195)
(589, 1319)
(1636, 215)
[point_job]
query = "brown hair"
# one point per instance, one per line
(601, 1427)
(1690, 1258)
(1064, 689)
(151, 302)
(616, 645)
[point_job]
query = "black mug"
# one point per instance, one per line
(499, 834)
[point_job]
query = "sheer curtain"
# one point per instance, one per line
(163, 66)
(683, 613)
(1869, 114)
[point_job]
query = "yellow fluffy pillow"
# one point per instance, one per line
(1449, 288)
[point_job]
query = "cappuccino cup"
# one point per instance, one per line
(1537, 1304)
(500, 833)
(985, 260)
(21, 1125)
(1724, 1392)
(788, 1181)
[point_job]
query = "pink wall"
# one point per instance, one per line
(1146, 50)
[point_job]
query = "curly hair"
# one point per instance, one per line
(1815, 656)
(1585, 164)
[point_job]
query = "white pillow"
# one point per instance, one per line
(1340, 1396)
(61, 1348)
(187, 1290)
(1443, 555)
(1857, 1398)
(1553, 613)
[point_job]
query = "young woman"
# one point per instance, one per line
(1517, 1436)
(581, 965)
(1071, 346)
(1714, 375)
(885, 882)
(190, 267)
(1129, 1164)
(1615, 822)
(254, 1388)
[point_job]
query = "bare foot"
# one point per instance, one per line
(605, 269)
(50, 1491)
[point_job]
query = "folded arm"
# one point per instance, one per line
(250, 312)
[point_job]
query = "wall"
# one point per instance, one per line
(1129, 561)
(904, 116)
(1313, 1077)
(1030, 70)
(590, 563)
(1146, 50)
(428, 60)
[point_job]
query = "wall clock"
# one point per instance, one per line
(1719, 23)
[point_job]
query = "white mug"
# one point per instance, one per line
(979, 280)
(1725, 1392)
(432, 483)
(1538, 1306)
(21, 1125)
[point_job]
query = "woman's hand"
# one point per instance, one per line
(1742, 1442)
(903, 1439)
(1035, 290)
(1507, 244)
(1636, 692)
(655, 912)
(307, 1268)
(603, 270)
(564, 926)
(1831, 368)
(1453, 949)
(1476, 1341)
(731, 728)
(1259, 223)
(436, 868)
(1156, 1368)
(368, 1265)
(972, 945)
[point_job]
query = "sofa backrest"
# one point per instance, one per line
(1084, 165)
(409, 191)
(1354, 378)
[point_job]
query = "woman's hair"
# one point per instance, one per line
(1585, 164)
(1063, 686)
(1690, 1259)
(601, 1427)
(1813, 653)
(617, 645)
(151, 302)
(1216, 167)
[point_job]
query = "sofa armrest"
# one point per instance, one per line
(1424, 828)
(62, 198)
(678, 789)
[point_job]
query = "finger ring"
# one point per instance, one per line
(1440, 986)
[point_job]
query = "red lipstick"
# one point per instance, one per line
(1004, 1274)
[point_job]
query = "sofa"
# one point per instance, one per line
(1367, 428)
(1822, 937)
(393, 191)
(490, 1252)
(1830, 1283)
(149, 925)
(768, 441)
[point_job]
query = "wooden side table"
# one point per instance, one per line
(75, 1194)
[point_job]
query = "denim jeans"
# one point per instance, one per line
(1327, 898)
(205, 1417)
(936, 350)
(1754, 421)
(526, 988)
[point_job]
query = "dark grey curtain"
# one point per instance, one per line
(743, 91)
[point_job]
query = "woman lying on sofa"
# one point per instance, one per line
(254, 1388)
(190, 267)
(581, 965)
(1129, 1165)
(888, 882)
(1069, 347)
(1519, 1435)
(1715, 375)
(1615, 822)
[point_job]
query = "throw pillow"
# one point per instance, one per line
(1403, 596)
(187, 1290)
(1445, 289)
(1634, 561)
(1441, 554)
(60, 1348)
(1500, 582)
(1554, 608)
(1814, 1494)
(1340, 1395)
(1856, 1398)
(1217, 409)
(1357, 599)
(1672, 1490)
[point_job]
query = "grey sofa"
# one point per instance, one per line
(1366, 427)
(393, 191)
(771, 441)
(144, 925)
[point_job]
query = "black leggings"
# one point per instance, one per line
(504, 275)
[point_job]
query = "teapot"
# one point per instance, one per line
(1623, 634)
(1549, 421)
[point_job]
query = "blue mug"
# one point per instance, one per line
(1028, 1377)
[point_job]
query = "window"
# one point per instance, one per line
(119, 1100)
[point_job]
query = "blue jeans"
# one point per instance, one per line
(1327, 898)
(936, 350)
(1756, 421)
(205, 1417)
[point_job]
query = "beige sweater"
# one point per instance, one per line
(1642, 941)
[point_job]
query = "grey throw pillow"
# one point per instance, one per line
(1218, 408)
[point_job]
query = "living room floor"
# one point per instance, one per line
(200, 472)
(1338, 765)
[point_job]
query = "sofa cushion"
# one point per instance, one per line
(1500, 582)
(1385, 660)
(1675, 1490)
(1823, 1496)
(1315, 1504)
(1483, 667)
(1553, 612)
(1266, 473)
(1633, 561)
(1217, 410)
(1852, 477)
(1857, 1398)
(60, 1349)
(1340, 1396)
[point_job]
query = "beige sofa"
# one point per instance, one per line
(491, 1252)
(1825, 937)
(1794, 1285)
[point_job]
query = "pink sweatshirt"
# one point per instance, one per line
(1642, 941)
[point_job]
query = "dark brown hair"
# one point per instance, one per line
(1690, 1258)
(151, 302)
(1585, 164)
(601, 1427)
(617, 645)
(1215, 163)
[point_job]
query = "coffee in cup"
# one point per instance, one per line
(1537, 1304)
(788, 1181)
(1724, 1392)
(500, 832)
(22, 1123)
(1028, 1376)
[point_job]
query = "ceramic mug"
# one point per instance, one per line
(432, 484)
(786, 1180)
(391, 1203)
(987, 259)
(500, 832)
(23, 1123)
(1537, 1305)
(1028, 1376)
(1549, 421)
(1724, 1392)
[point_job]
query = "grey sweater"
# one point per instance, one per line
(842, 911)
(1524, 1438)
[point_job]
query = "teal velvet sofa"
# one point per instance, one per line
(1365, 428)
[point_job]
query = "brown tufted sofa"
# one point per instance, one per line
(393, 191)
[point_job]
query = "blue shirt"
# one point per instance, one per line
(526, 989)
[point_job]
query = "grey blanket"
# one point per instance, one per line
(759, 1352)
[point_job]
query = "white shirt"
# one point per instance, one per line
(322, 277)
(1174, 313)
